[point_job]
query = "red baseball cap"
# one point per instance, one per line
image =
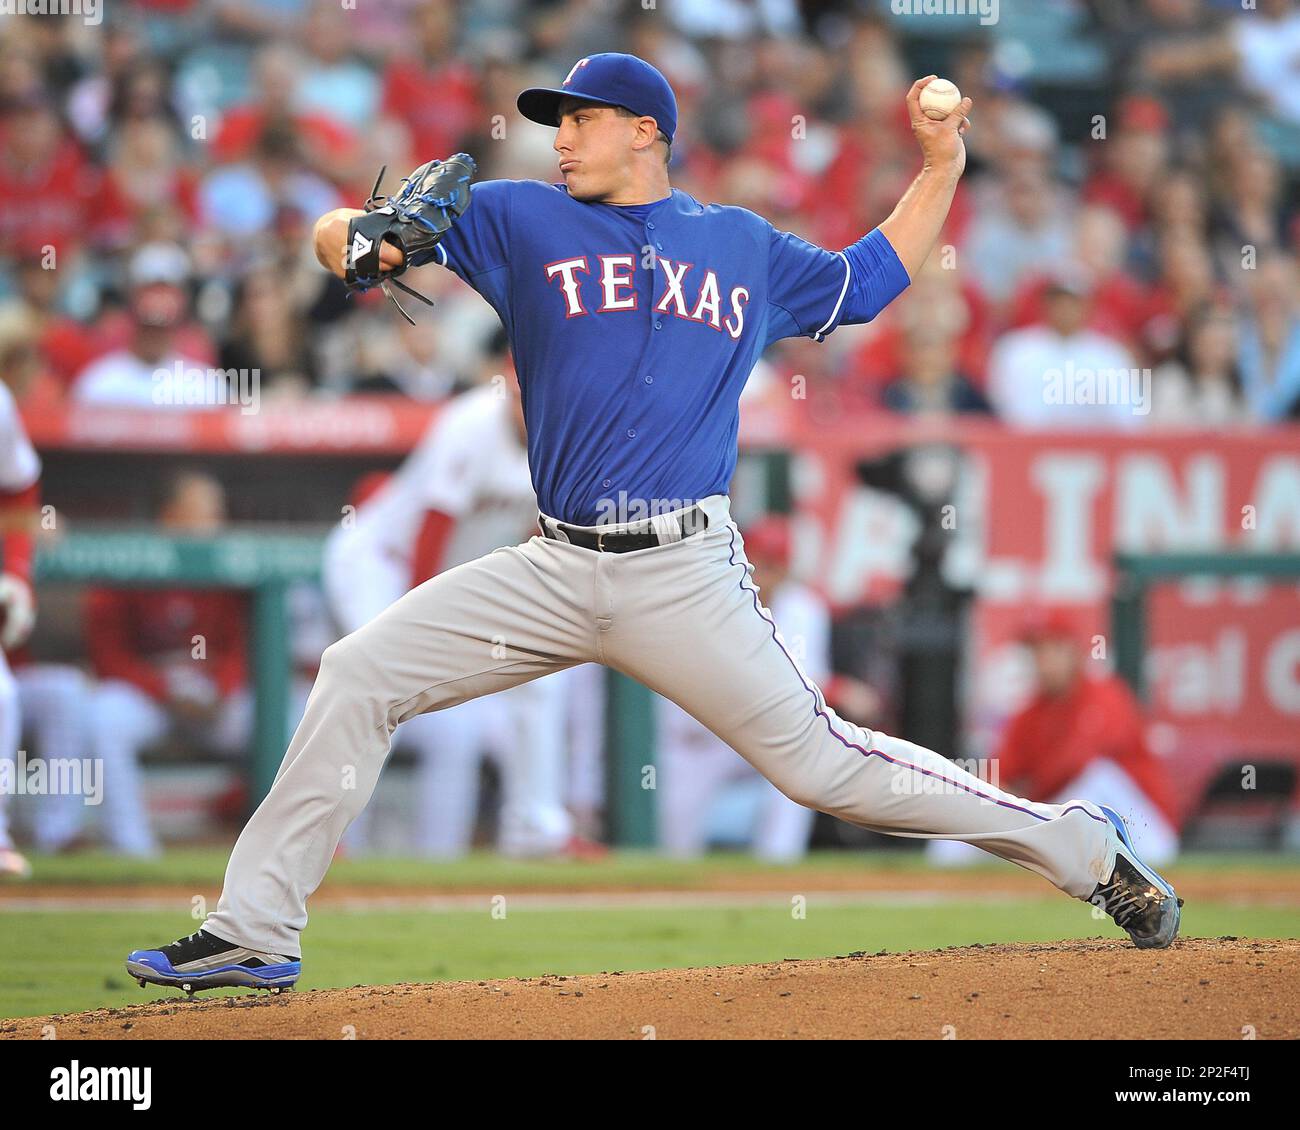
(1050, 623)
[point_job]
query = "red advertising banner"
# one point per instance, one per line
(354, 425)
(358, 425)
(1036, 519)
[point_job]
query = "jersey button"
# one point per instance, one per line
(659, 325)
(651, 226)
(607, 483)
(631, 433)
(649, 380)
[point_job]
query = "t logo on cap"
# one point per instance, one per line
(573, 71)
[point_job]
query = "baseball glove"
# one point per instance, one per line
(430, 200)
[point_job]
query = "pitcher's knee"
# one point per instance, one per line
(344, 658)
(347, 669)
(807, 793)
(352, 675)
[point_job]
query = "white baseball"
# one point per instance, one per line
(939, 98)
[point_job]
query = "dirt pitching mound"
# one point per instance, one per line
(1201, 988)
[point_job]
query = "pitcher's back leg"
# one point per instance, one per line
(511, 616)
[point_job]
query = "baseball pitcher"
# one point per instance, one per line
(635, 314)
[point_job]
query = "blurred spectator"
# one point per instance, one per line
(333, 83)
(930, 384)
(1181, 48)
(1133, 161)
(93, 101)
(1230, 133)
(1025, 230)
(20, 65)
(48, 188)
(1060, 373)
(1186, 283)
(434, 93)
(940, 301)
(1080, 736)
(1251, 213)
(318, 139)
(142, 94)
(1267, 43)
(1120, 308)
(135, 374)
(146, 172)
(792, 110)
(66, 345)
(268, 335)
(736, 19)
(1201, 387)
(170, 662)
(52, 701)
(239, 202)
(1015, 136)
(414, 364)
(156, 262)
(1270, 340)
(260, 19)
(1179, 211)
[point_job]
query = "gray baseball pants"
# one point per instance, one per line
(683, 618)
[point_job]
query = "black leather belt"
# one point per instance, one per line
(644, 536)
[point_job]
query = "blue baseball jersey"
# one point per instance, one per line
(634, 329)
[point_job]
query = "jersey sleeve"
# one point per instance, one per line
(805, 288)
(479, 241)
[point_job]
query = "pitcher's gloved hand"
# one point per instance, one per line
(430, 200)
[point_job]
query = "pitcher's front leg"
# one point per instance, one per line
(716, 652)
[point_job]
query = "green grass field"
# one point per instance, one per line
(69, 958)
(204, 866)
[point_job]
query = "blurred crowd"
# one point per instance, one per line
(160, 173)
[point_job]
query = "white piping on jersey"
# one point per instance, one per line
(819, 335)
(442, 251)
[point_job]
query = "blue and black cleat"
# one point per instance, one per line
(1140, 901)
(204, 961)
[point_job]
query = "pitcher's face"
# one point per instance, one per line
(594, 144)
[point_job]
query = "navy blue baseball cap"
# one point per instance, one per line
(611, 79)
